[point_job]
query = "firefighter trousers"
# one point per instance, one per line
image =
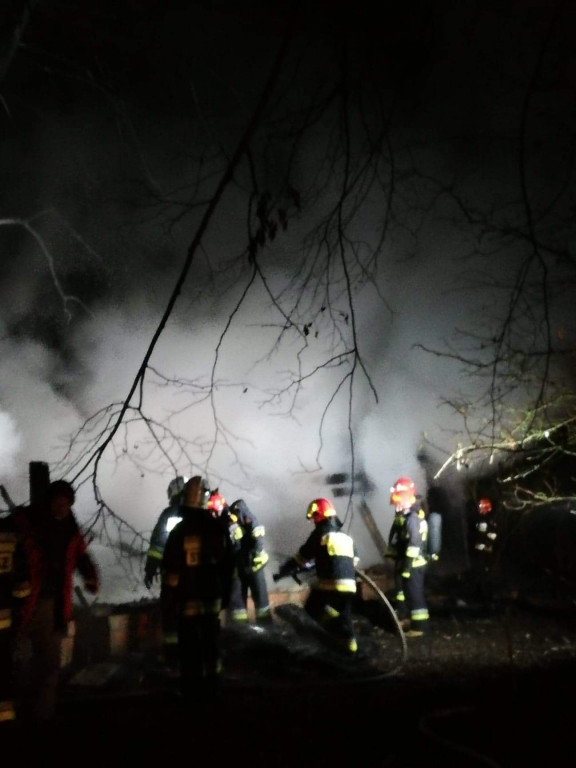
(253, 584)
(333, 611)
(413, 588)
(200, 660)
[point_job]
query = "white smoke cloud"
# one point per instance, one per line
(10, 442)
(35, 418)
(269, 452)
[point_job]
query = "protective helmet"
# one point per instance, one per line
(403, 493)
(176, 486)
(196, 493)
(320, 509)
(216, 503)
(484, 506)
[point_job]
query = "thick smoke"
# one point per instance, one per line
(86, 280)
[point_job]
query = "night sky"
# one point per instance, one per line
(288, 201)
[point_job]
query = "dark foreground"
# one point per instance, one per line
(495, 690)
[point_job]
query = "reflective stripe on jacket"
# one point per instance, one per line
(334, 555)
(197, 565)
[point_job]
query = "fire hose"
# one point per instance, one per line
(367, 580)
(381, 596)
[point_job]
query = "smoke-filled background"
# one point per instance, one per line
(382, 205)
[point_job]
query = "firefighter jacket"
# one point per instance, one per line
(484, 534)
(247, 535)
(56, 549)
(395, 535)
(197, 567)
(168, 518)
(334, 555)
(410, 540)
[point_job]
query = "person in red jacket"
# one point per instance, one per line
(56, 549)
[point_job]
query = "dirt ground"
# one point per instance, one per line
(488, 686)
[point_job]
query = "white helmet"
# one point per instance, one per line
(176, 486)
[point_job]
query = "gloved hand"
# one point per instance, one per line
(259, 561)
(150, 573)
(289, 568)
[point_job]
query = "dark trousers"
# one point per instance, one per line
(37, 663)
(481, 567)
(7, 683)
(255, 585)
(333, 611)
(400, 605)
(200, 661)
(416, 604)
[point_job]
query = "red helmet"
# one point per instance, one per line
(403, 492)
(484, 506)
(320, 509)
(216, 503)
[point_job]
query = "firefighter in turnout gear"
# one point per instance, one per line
(247, 536)
(408, 548)
(15, 587)
(168, 518)
(485, 529)
(483, 537)
(394, 539)
(197, 569)
(333, 553)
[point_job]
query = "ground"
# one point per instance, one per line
(488, 686)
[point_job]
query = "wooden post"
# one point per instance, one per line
(362, 485)
(370, 524)
(39, 478)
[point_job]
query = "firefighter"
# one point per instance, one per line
(247, 536)
(392, 549)
(14, 589)
(408, 548)
(56, 550)
(333, 554)
(168, 518)
(197, 568)
(484, 533)
(485, 529)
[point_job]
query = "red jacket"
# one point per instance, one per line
(55, 549)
